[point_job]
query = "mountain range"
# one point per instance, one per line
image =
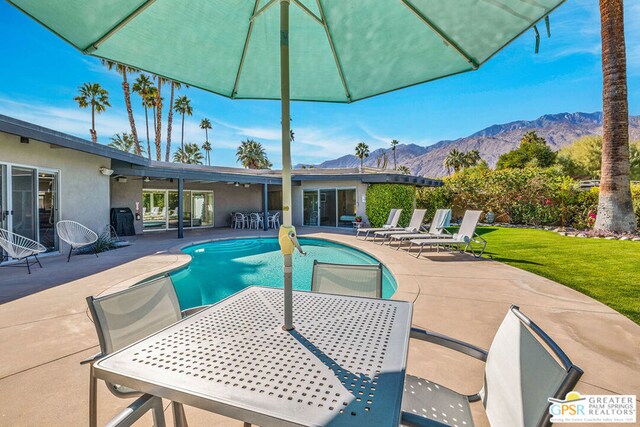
(559, 130)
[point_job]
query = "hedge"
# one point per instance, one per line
(531, 196)
(381, 198)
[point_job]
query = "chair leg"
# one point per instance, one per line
(95, 251)
(28, 267)
(70, 250)
(93, 403)
(179, 417)
(36, 257)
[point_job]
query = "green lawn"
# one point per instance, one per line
(606, 270)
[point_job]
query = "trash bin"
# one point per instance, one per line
(122, 221)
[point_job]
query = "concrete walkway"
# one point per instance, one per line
(45, 330)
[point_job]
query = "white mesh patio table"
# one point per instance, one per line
(343, 365)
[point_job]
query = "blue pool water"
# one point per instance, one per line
(220, 269)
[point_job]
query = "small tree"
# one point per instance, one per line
(394, 143)
(533, 151)
(404, 170)
(362, 151)
(92, 95)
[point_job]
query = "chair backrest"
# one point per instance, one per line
(392, 214)
(468, 225)
(75, 233)
(125, 317)
(441, 220)
(396, 218)
(521, 374)
(17, 246)
(416, 219)
(347, 279)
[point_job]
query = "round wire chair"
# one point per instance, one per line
(20, 248)
(75, 235)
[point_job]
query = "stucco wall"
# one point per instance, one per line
(84, 191)
(226, 198)
(361, 191)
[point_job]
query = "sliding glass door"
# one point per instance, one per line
(48, 209)
(23, 190)
(4, 203)
(160, 209)
(329, 207)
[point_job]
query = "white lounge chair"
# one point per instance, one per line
(391, 224)
(360, 280)
(76, 235)
(437, 229)
(466, 235)
(414, 226)
(19, 248)
(524, 368)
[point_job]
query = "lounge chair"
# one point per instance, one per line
(414, 226)
(123, 318)
(75, 235)
(391, 224)
(437, 229)
(347, 279)
(466, 236)
(19, 248)
(524, 368)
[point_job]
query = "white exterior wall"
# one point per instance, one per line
(297, 201)
(83, 190)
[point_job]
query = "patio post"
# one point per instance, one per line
(180, 208)
(265, 205)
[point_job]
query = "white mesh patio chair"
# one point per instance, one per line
(524, 368)
(465, 238)
(19, 248)
(414, 226)
(391, 224)
(437, 229)
(123, 318)
(75, 235)
(347, 279)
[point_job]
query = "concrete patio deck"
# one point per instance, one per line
(45, 330)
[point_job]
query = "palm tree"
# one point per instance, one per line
(142, 87)
(471, 158)
(394, 142)
(124, 142)
(94, 96)
(174, 86)
(123, 70)
(183, 107)
(252, 155)
(158, 116)
(362, 151)
(615, 208)
(404, 170)
(191, 154)
(454, 160)
(206, 125)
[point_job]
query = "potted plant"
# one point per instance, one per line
(358, 218)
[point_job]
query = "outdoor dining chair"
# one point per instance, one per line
(75, 235)
(255, 220)
(360, 280)
(273, 221)
(524, 368)
(122, 318)
(19, 248)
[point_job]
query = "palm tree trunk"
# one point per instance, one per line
(395, 166)
(159, 122)
(94, 135)
(361, 164)
(182, 137)
(169, 123)
(127, 101)
(146, 118)
(615, 209)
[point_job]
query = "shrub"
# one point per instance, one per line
(635, 196)
(381, 198)
(432, 198)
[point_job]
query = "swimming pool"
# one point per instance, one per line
(219, 269)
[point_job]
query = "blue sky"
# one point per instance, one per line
(40, 74)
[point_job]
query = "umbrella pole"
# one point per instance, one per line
(287, 248)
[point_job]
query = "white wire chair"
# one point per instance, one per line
(75, 235)
(19, 248)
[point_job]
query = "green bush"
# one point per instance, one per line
(635, 195)
(432, 198)
(381, 198)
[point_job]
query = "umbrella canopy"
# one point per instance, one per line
(307, 50)
(340, 50)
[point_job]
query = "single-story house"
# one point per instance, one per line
(46, 176)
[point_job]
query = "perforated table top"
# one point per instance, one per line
(344, 364)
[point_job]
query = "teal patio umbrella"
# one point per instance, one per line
(305, 50)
